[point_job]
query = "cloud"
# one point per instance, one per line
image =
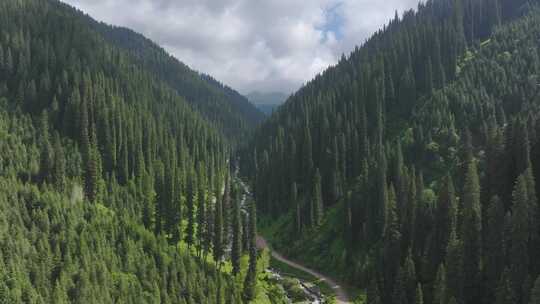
(265, 45)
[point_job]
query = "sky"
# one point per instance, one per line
(252, 45)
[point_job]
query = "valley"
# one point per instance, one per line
(405, 173)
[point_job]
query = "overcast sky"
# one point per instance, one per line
(264, 45)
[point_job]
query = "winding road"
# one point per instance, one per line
(341, 295)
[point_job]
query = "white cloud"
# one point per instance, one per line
(267, 45)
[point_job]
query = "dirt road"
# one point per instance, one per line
(341, 295)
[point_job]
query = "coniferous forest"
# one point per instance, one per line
(410, 170)
(112, 177)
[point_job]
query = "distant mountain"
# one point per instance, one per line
(267, 102)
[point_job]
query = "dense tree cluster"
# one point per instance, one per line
(56, 247)
(112, 180)
(426, 140)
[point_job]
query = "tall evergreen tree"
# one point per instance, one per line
(190, 199)
(59, 164)
(494, 245)
(472, 236)
(316, 199)
(251, 276)
(218, 229)
(392, 240)
(203, 234)
(236, 247)
(454, 268)
(519, 257)
(298, 210)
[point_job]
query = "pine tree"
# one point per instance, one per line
(335, 183)
(494, 255)
(191, 194)
(149, 201)
(454, 268)
(236, 247)
(161, 198)
(392, 241)
(316, 198)
(225, 210)
(251, 276)
(519, 257)
(46, 159)
(218, 230)
(59, 165)
(202, 223)
(534, 220)
(298, 212)
(445, 217)
(307, 157)
(472, 236)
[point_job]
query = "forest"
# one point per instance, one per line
(116, 184)
(409, 171)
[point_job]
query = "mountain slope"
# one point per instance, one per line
(110, 180)
(409, 168)
(229, 110)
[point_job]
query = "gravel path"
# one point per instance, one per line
(341, 295)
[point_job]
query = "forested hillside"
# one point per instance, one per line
(411, 168)
(113, 187)
(231, 112)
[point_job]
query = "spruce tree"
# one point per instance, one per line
(59, 164)
(454, 268)
(236, 247)
(445, 218)
(251, 276)
(520, 234)
(226, 207)
(46, 159)
(202, 216)
(218, 230)
(494, 244)
(392, 241)
(317, 200)
(472, 236)
(190, 199)
(298, 212)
